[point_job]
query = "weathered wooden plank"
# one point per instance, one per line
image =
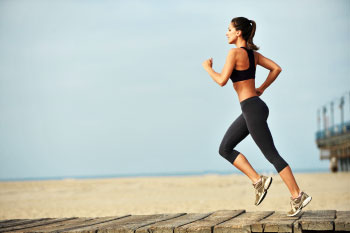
(241, 223)
(67, 225)
(205, 225)
(53, 226)
(38, 222)
(168, 226)
(11, 220)
(92, 222)
(315, 220)
(125, 225)
(276, 222)
(20, 222)
(342, 221)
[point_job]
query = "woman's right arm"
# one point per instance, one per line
(270, 65)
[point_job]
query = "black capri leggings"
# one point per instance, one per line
(252, 120)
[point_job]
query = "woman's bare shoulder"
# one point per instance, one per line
(232, 53)
(236, 52)
(233, 50)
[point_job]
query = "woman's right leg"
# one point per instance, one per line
(236, 133)
(288, 178)
(256, 113)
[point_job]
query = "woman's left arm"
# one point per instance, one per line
(223, 77)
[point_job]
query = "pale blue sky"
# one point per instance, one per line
(117, 87)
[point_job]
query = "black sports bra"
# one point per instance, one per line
(240, 75)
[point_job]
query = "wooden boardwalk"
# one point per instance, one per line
(221, 221)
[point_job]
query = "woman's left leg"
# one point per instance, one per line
(234, 135)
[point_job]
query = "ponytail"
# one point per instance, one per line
(250, 43)
(248, 28)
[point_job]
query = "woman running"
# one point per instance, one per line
(240, 67)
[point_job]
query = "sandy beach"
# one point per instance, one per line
(153, 195)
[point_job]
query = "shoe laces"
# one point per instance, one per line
(293, 205)
(257, 185)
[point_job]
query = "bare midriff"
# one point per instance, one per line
(245, 89)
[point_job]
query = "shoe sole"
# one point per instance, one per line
(266, 187)
(305, 202)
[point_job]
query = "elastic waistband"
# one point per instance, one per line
(250, 99)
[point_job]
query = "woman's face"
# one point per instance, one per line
(231, 34)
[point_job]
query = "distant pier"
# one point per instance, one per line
(333, 140)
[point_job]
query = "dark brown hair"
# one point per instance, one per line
(248, 28)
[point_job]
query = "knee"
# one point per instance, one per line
(282, 166)
(278, 162)
(224, 149)
(225, 152)
(228, 154)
